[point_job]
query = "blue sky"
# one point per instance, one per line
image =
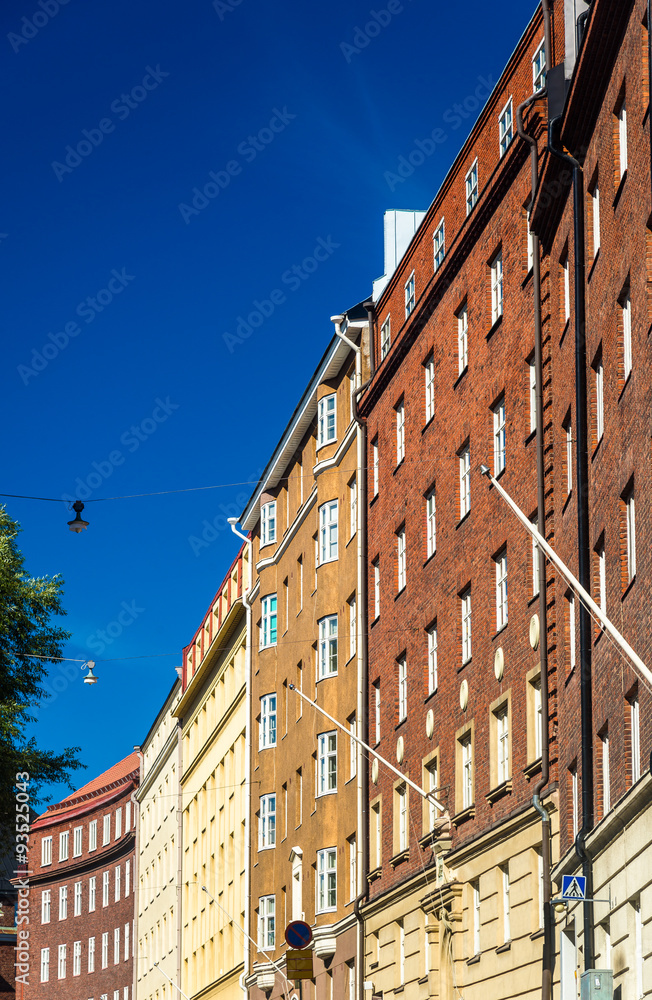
(125, 279)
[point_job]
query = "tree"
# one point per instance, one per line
(26, 608)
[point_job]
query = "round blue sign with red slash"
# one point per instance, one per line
(298, 934)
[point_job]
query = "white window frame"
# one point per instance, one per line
(622, 139)
(376, 566)
(353, 626)
(626, 306)
(46, 905)
(402, 687)
(575, 792)
(466, 746)
(432, 770)
(267, 822)
(63, 902)
(502, 743)
(376, 468)
(538, 718)
(61, 961)
(571, 631)
(353, 868)
(602, 579)
(536, 581)
(635, 737)
(429, 387)
(410, 295)
(595, 211)
(77, 902)
(385, 338)
(439, 245)
(106, 829)
(476, 916)
(328, 532)
(401, 952)
(127, 877)
(462, 339)
(328, 647)
(467, 648)
(105, 888)
(353, 748)
(431, 523)
(126, 951)
(403, 818)
(569, 456)
(599, 400)
(268, 523)
(530, 242)
(77, 841)
(464, 458)
(45, 964)
(401, 559)
(432, 659)
(630, 517)
(64, 844)
(500, 436)
(566, 269)
(606, 774)
(376, 687)
(92, 835)
(502, 613)
(326, 887)
(326, 763)
(268, 721)
(268, 621)
(532, 376)
(118, 823)
(91, 954)
(505, 128)
(471, 186)
(266, 923)
(105, 949)
(116, 884)
(327, 420)
(400, 432)
(353, 505)
(539, 67)
(506, 906)
(92, 888)
(76, 958)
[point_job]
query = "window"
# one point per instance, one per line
(326, 880)
(117, 884)
(61, 964)
(595, 211)
(402, 688)
(496, 287)
(78, 899)
(268, 621)
(501, 589)
(377, 834)
(569, 455)
(266, 922)
(626, 305)
(106, 831)
(46, 896)
(401, 952)
(505, 127)
(376, 566)
(500, 442)
(45, 963)
(127, 817)
(506, 906)
(464, 457)
(91, 893)
(327, 646)
(328, 532)
(575, 797)
(385, 338)
(606, 776)
(268, 523)
(327, 763)
(63, 902)
(77, 842)
(630, 535)
(462, 339)
(538, 718)
(471, 182)
(409, 295)
(532, 373)
(570, 611)
(63, 845)
(92, 835)
(530, 242)
(400, 432)
(105, 949)
(540, 886)
(403, 818)
(376, 687)
(502, 743)
(535, 563)
(353, 503)
(300, 579)
(267, 822)
(353, 876)
(602, 578)
(91, 954)
(401, 559)
(429, 383)
(105, 888)
(566, 276)
(353, 626)
(539, 68)
(267, 729)
(599, 400)
(635, 737)
(326, 423)
(432, 659)
(374, 457)
(466, 745)
(475, 887)
(432, 785)
(76, 958)
(116, 946)
(638, 947)
(465, 601)
(621, 116)
(126, 936)
(352, 991)
(431, 523)
(353, 748)
(439, 245)
(118, 823)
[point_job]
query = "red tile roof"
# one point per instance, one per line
(89, 794)
(115, 773)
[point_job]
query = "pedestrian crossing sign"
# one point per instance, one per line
(573, 887)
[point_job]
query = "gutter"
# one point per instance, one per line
(136, 894)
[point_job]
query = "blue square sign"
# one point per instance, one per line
(573, 887)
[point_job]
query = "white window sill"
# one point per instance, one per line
(326, 677)
(322, 795)
(324, 444)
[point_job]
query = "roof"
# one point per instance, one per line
(120, 770)
(94, 793)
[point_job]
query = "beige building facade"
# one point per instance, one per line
(214, 790)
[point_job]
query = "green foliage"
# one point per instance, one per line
(26, 608)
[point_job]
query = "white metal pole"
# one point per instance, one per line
(574, 582)
(157, 966)
(426, 795)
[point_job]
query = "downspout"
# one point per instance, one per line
(136, 805)
(362, 766)
(179, 851)
(233, 521)
(548, 923)
(584, 570)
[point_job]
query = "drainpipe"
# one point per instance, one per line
(234, 521)
(362, 714)
(179, 850)
(584, 571)
(548, 923)
(136, 805)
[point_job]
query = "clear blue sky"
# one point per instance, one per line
(96, 251)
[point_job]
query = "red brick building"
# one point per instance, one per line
(82, 878)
